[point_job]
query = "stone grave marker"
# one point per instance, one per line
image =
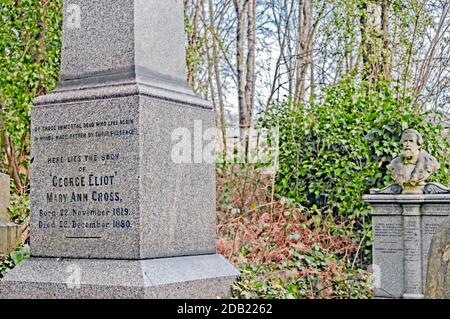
(403, 227)
(114, 214)
(405, 217)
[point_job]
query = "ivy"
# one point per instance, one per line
(11, 260)
(30, 46)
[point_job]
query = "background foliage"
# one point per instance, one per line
(21, 253)
(30, 45)
(334, 149)
(338, 147)
(283, 249)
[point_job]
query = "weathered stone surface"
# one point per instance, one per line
(207, 276)
(430, 225)
(412, 168)
(412, 239)
(167, 207)
(162, 208)
(388, 255)
(9, 237)
(438, 276)
(403, 226)
(390, 189)
(123, 38)
(4, 197)
(185, 192)
(76, 161)
(436, 188)
(159, 44)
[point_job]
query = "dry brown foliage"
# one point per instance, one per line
(270, 229)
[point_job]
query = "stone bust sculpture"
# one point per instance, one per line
(414, 165)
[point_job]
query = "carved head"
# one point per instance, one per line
(411, 141)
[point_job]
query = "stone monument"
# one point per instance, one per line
(438, 275)
(405, 217)
(9, 232)
(112, 214)
(414, 166)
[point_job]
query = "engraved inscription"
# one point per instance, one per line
(387, 235)
(387, 230)
(412, 255)
(438, 209)
(83, 191)
(387, 210)
(388, 253)
(71, 131)
(430, 229)
(430, 225)
(412, 210)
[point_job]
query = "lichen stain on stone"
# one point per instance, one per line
(446, 254)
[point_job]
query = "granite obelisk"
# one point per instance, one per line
(112, 214)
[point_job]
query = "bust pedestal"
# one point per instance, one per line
(403, 227)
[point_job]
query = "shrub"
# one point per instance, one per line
(335, 149)
(282, 249)
(30, 48)
(13, 259)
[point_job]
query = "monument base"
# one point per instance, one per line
(190, 277)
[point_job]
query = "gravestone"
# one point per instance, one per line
(438, 274)
(9, 232)
(113, 214)
(403, 227)
(405, 217)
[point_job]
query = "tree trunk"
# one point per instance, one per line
(240, 8)
(366, 49)
(304, 53)
(193, 40)
(250, 72)
(427, 64)
(385, 54)
(215, 61)
(10, 152)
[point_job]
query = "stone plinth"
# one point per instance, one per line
(403, 227)
(208, 276)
